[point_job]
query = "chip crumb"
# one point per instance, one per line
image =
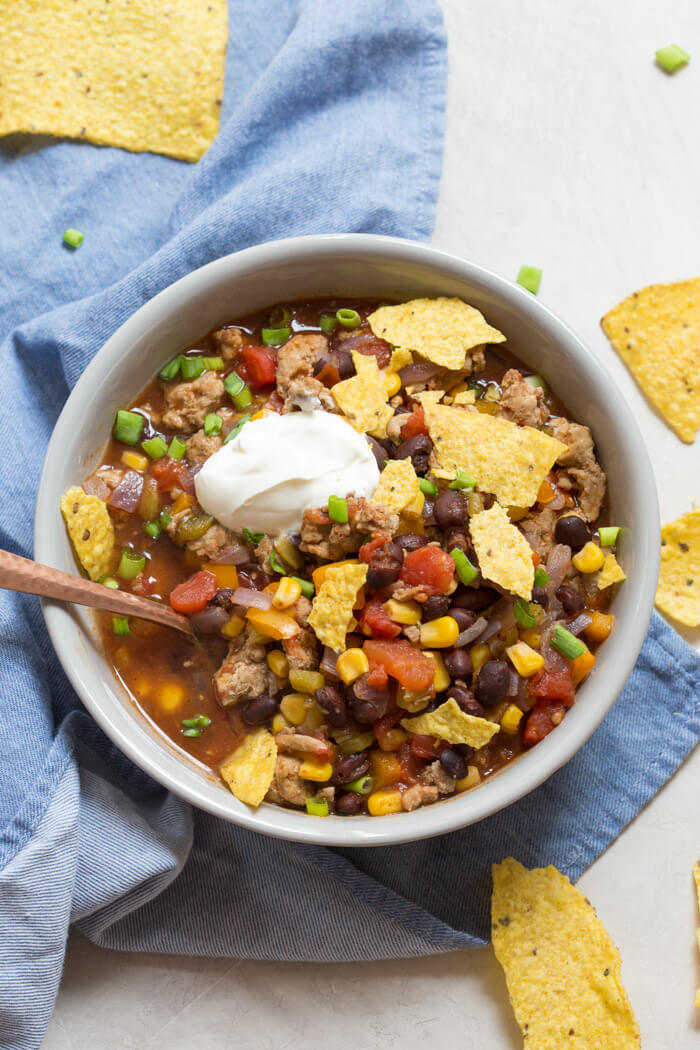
(449, 722)
(332, 609)
(90, 529)
(363, 398)
(678, 590)
(442, 330)
(250, 769)
(503, 553)
(696, 876)
(398, 487)
(612, 572)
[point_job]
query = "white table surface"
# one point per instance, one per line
(567, 149)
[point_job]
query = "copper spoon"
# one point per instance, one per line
(21, 574)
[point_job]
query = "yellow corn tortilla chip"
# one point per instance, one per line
(696, 876)
(441, 330)
(331, 611)
(656, 332)
(398, 487)
(363, 397)
(428, 397)
(561, 968)
(400, 358)
(90, 529)
(612, 572)
(678, 590)
(505, 556)
(508, 460)
(250, 769)
(449, 722)
(129, 73)
(465, 397)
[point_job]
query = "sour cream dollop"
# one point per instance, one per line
(267, 476)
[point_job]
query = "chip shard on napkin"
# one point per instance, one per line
(561, 967)
(128, 73)
(678, 590)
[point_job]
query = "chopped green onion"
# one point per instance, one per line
(120, 625)
(237, 429)
(276, 563)
(253, 538)
(316, 807)
(198, 722)
(164, 518)
(213, 364)
(348, 318)
(177, 448)
(671, 58)
(131, 564)
(212, 423)
(523, 614)
(242, 399)
(338, 509)
(233, 384)
(567, 643)
(536, 381)
(463, 481)
(152, 529)
(529, 277)
(192, 732)
(608, 535)
(541, 577)
(172, 368)
(427, 487)
(363, 785)
(155, 447)
(109, 581)
(128, 427)
(307, 587)
(192, 367)
(280, 316)
(275, 336)
(328, 322)
(73, 238)
(465, 570)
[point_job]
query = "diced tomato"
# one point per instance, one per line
(377, 677)
(275, 402)
(260, 365)
(410, 764)
(425, 746)
(536, 559)
(553, 685)
(168, 472)
(368, 549)
(402, 661)
(373, 620)
(384, 725)
(415, 424)
(544, 717)
(193, 595)
(429, 567)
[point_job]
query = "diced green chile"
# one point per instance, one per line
(128, 427)
(154, 447)
(177, 448)
(193, 527)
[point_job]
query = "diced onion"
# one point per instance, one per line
(329, 663)
(557, 566)
(495, 625)
(127, 494)
(210, 620)
(582, 621)
(233, 554)
(251, 599)
(418, 373)
(95, 486)
(513, 682)
(470, 634)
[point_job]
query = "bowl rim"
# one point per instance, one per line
(145, 747)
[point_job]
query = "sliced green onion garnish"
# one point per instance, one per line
(194, 731)
(212, 423)
(537, 381)
(128, 427)
(328, 322)
(567, 643)
(192, 367)
(529, 277)
(463, 481)
(465, 570)
(242, 399)
(73, 238)
(348, 318)
(522, 613)
(197, 722)
(155, 447)
(541, 577)
(152, 529)
(307, 587)
(672, 57)
(280, 316)
(237, 429)
(338, 509)
(275, 336)
(164, 518)
(608, 535)
(177, 448)
(120, 625)
(363, 785)
(213, 364)
(253, 538)
(109, 581)
(276, 564)
(131, 564)
(233, 384)
(316, 807)
(427, 487)
(172, 368)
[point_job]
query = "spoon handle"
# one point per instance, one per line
(21, 574)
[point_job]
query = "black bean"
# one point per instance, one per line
(540, 597)
(417, 449)
(385, 565)
(343, 362)
(333, 705)
(466, 700)
(435, 606)
(224, 598)
(570, 599)
(450, 509)
(367, 702)
(427, 512)
(573, 531)
(456, 538)
(492, 682)
(349, 804)
(464, 617)
(380, 453)
(453, 763)
(475, 598)
(411, 541)
(458, 663)
(464, 749)
(262, 709)
(350, 767)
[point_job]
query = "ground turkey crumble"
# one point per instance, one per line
(520, 402)
(188, 403)
(582, 470)
(244, 673)
(329, 540)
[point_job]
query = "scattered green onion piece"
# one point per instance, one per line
(529, 277)
(316, 807)
(541, 577)
(152, 529)
(197, 722)
(73, 238)
(109, 581)
(195, 731)
(427, 487)
(338, 509)
(192, 367)
(567, 643)
(348, 318)
(128, 427)
(465, 570)
(213, 364)
(237, 429)
(463, 481)
(522, 613)
(155, 447)
(608, 535)
(131, 564)
(275, 336)
(307, 587)
(164, 518)
(328, 322)
(253, 538)
(671, 58)
(363, 785)
(212, 423)
(233, 384)
(177, 448)
(536, 381)
(276, 564)
(120, 626)
(172, 368)
(280, 316)
(242, 399)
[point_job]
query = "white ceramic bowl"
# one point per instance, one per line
(377, 267)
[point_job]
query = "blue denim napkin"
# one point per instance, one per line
(332, 120)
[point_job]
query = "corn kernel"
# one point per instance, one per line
(171, 695)
(392, 382)
(279, 722)
(511, 719)
(350, 743)
(286, 549)
(273, 624)
(135, 460)
(233, 627)
(384, 768)
(440, 633)
(286, 592)
(315, 717)
(384, 801)
(589, 559)
(183, 502)
(517, 513)
(472, 778)
(140, 686)
(393, 740)
(581, 666)
(312, 769)
(226, 575)
(479, 654)
(293, 707)
(278, 663)
(408, 613)
(600, 626)
(306, 681)
(531, 637)
(442, 675)
(545, 493)
(475, 503)
(490, 408)
(413, 700)
(261, 413)
(351, 664)
(525, 660)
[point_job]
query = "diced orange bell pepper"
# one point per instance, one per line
(319, 574)
(384, 768)
(273, 624)
(545, 493)
(581, 666)
(600, 626)
(226, 575)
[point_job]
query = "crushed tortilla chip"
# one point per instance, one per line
(678, 590)
(465, 397)
(126, 73)
(331, 612)
(250, 769)
(90, 529)
(506, 459)
(400, 358)
(428, 397)
(363, 397)
(398, 487)
(561, 967)
(696, 876)
(442, 330)
(612, 572)
(503, 553)
(449, 722)
(656, 332)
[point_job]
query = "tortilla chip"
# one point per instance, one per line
(428, 397)
(398, 487)
(656, 332)
(561, 968)
(126, 73)
(449, 722)
(678, 591)
(465, 397)
(612, 572)
(696, 875)
(400, 358)
(250, 769)
(90, 529)
(504, 555)
(331, 612)
(442, 330)
(508, 460)
(363, 397)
